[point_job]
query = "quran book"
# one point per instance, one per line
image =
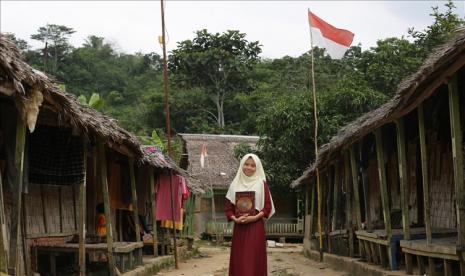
(245, 203)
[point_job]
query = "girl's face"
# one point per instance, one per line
(249, 167)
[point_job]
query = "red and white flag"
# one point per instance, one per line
(335, 41)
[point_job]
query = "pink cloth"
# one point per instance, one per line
(164, 199)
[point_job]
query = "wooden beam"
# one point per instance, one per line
(83, 214)
(312, 211)
(403, 179)
(353, 163)
(106, 203)
(134, 198)
(337, 187)
(17, 196)
(383, 183)
(384, 194)
(328, 187)
(154, 212)
(307, 198)
(319, 201)
(3, 236)
(457, 154)
(349, 224)
(424, 172)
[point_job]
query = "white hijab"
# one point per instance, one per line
(243, 183)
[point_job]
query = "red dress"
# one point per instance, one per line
(248, 249)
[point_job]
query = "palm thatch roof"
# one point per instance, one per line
(18, 80)
(444, 61)
(220, 165)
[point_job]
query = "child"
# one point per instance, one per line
(100, 225)
(249, 189)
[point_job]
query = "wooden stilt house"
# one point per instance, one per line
(402, 176)
(59, 160)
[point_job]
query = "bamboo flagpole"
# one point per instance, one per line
(335, 42)
(315, 138)
(168, 130)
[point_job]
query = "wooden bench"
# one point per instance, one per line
(127, 255)
(378, 249)
(444, 248)
(339, 242)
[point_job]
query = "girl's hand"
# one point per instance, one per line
(241, 219)
(249, 219)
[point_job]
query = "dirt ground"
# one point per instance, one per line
(286, 261)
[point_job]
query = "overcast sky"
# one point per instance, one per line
(280, 26)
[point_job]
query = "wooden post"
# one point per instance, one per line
(17, 196)
(457, 154)
(327, 191)
(154, 212)
(384, 190)
(404, 187)
(307, 198)
(403, 179)
(348, 203)
(353, 164)
(106, 203)
(424, 172)
(83, 215)
(312, 212)
(3, 236)
(337, 186)
(135, 208)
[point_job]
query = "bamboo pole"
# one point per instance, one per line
(154, 212)
(353, 163)
(83, 215)
(3, 236)
(404, 191)
(337, 182)
(384, 195)
(457, 154)
(135, 208)
(348, 202)
(106, 203)
(315, 139)
(382, 182)
(312, 213)
(168, 128)
(424, 173)
(17, 196)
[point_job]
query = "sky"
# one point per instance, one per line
(281, 27)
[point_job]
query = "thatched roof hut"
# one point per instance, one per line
(220, 165)
(21, 82)
(439, 66)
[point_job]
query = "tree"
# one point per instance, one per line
(220, 64)
(57, 36)
(385, 65)
(438, 32)
(21, 43)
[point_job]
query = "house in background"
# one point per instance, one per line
(211, 160)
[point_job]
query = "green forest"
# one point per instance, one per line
(219, 84)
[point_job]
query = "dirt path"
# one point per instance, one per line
(287, 261)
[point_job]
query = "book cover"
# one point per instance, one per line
(245, 203)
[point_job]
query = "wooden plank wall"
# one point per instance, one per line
(35, 223)
(413, 152)
(375, 209)
(442, 192)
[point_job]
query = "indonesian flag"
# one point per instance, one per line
(335, 41)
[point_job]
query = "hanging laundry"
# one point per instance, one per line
(180, 192)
